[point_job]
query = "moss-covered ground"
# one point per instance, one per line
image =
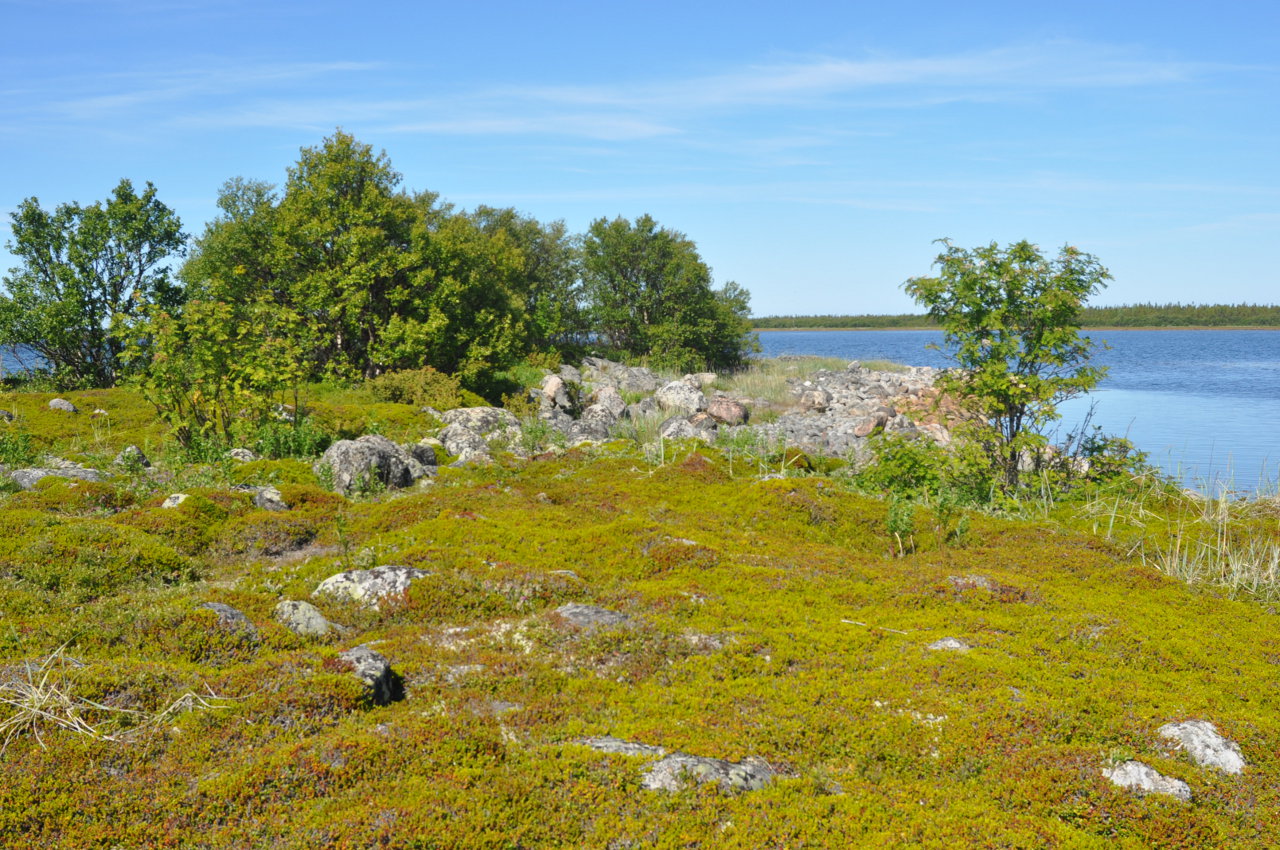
(769, 619)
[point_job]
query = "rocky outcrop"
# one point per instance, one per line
(674, 771)
(680, 397)
(590, 616)
(28, 478)
(367, 462)
(370, 587)
(597, 372)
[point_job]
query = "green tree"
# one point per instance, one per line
(1013, 318)
(649, 294)
(217, 363)
(87, 274)
(342, 249)
(548, 279)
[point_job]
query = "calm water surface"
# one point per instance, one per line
(1205, 405)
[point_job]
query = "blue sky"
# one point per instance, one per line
(813, 153)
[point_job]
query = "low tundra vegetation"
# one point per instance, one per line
(778, 607)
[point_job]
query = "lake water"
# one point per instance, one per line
(1205, 405)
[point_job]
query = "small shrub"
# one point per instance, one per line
(425, 387)
(300, 438)
(16, 448)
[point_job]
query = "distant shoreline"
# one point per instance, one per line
(1085, 328)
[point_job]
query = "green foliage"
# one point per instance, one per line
(87, 276)
(83, 560)
(425, 387)
(901, 524)
(16, 448)
(649, 294)
(1013, 318)
(301, 437)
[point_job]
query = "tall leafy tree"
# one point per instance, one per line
(342, 239)
(87, 274)
(649, 294)
(1013, 319)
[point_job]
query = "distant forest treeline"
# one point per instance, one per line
(1123, 316)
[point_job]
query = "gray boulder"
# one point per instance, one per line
(815, 399)
(466, 443)
(643, 408)
(590, 616)
(63, 404)
(683, 428)
(375, 671)
(27, 478)
(369, 587)
(672, 772)
(609, 400)
(6, 415)
(588, 431)
(1206, 747)
(242, 455)
(269, 499)
(1144, 779)
(680, 396)
(302, 618)
(358, 464)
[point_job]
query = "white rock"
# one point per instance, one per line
(1145, 779)
(174, 500)
(370, 586)
(1206, 747)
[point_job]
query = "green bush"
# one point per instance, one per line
(280, 439)
(16, 448)
(425, 387)
(81, 561)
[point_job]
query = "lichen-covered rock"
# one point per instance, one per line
(1207, 748)
(232, 619)
(367, 461)
(464, 442)
(590, 616)
(949, 644)
(1144, 779)
(556, 391)
(174, 500)
(242, 455)
(269, 499)
(683, 428)
(62, 404)
(302, 618)
(132, 457)
(369, 587)
(680, 396)
(482, 420)
(672, 772)
(608, 400)
(617, 746)
(374, 670)
(27, 478)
